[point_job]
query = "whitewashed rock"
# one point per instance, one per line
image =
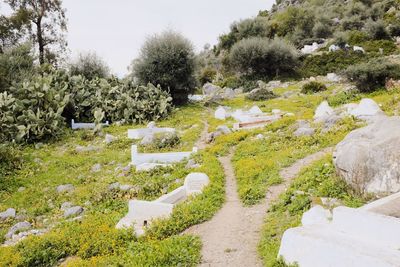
(17, 228)
(192, 164)
(9, 213)
(109, 138)
(323, 110)
(368, 158)
(255, 110)
(21, 189)
(224, 129)
(96, 167)
(316, 215)
(151, 125)
(66, 188)
(334, 48)
(114, 186)
(309, 49)
(221, 113)
(73, 211)
(367, 107)
(260, 136)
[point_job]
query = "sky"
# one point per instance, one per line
(116, 29)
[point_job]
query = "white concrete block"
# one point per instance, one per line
(316, 215)
(80, 125)
(195, 182)
(142, 132)
(174, 197)
(320, 246)
(162, 158)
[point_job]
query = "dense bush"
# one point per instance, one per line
(16, 65)
(207, 75)
(322, 64)
(32, 111)
(10, 161)
(90, 66)
(261, 93)
(313, 87)
(262, 57)
(167, 60)
(372, 75)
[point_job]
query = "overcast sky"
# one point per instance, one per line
(116, 29)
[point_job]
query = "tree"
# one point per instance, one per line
(90, 66)
(48, 19)
(167, 60)
(12, 29)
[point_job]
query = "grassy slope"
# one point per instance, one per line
(95, 240)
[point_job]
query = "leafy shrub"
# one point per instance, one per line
(376, 30)
(260, 94)
(16, 65)
(313, 87)
(372, 75)
(357, 37)
(374, 46)
(10, 162)
(167, 60)
(165, 140)
(207, 75)
(262, 57)
(32, 111)
(90, 66)
(314, 65)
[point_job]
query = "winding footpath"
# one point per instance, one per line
(231, 237)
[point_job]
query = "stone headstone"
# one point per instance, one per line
(195, 182)
(109, 138)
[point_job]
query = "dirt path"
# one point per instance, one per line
(201, 142)
(232, 236)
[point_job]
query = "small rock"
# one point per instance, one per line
(38, 145)
(151, 125)
(73, 211)
(90, 148)
(211, 136)
(192, 164)
(21, 189)
(66, 188)
(87, 203)
(125, 187)
(260, 136)
(323, 110)
(114, 186)
(17, 228)
(109, 138)
(224, 129)
(96, 167)
(147, 140)
(66, 205)
(9, 213)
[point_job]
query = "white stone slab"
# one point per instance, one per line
(174, 197)
(140, 133)
(196, 98)
(195, 182)
(81, 125)
(255, 110)
(316, 215)
(141, 213)
(162, 158)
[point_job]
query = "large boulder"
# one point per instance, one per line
(367, 107)
(323, 110)
(210, 89)
(369, 158)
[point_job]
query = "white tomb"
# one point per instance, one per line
(82, 125)
(142, 213)
(151, 129)
(367, 236)
(148, 161)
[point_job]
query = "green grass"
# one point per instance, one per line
(316, 181)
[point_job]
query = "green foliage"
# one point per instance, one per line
(10, 162)
(261, 94)
(262, 57)
(314, 65)
(165, 140)
(373, 74)
(32, 111)
(313, 87)
(16, 64)
(167, 60)
(207, 75)
(90, 66)
(376, 30)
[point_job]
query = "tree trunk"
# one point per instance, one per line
(40, 40)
